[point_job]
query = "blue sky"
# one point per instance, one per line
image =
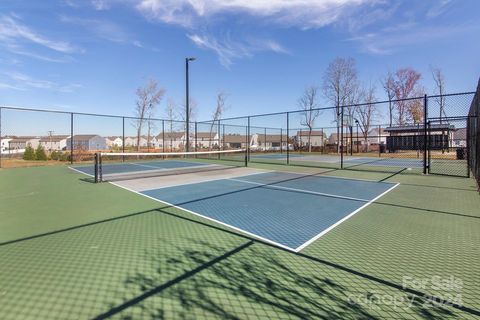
(91, 55)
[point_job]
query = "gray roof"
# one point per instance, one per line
(439, 126)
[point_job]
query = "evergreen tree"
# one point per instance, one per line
(40, 154)
(29, 153)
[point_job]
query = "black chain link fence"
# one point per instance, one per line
(430, 134)
(473, 136)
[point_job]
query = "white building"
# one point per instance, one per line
(4, 144)
(317, 138)
(54, 143)
(207, 140)
(269, 142)
(114, 142)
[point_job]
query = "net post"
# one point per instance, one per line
(100, 168)
(288, 133)
(425, 133)
(96, 168)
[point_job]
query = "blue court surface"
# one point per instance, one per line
(131, 167)
(348, 160)
(286, 209)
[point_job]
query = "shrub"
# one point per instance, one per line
(29, 153)
(40, 154)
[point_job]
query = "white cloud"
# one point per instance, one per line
(12, 29)
(104, 29)
(388, 40)
(228, 50)
(300, 13)
(439, 8)
(21, 81)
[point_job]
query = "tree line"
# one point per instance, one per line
(151, 95)
(357, 100)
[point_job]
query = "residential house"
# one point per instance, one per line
(173, 140)
(235, 141)
(87, 142)
(20, 143)
(207, 140)
(317, 138)
(54, 142)
(269, 142)
(4, 143)
(114, 142)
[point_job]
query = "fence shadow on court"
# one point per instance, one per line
(254, 281)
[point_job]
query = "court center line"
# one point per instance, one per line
(256, 236)
(300, 190)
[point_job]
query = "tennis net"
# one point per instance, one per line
(114, 166)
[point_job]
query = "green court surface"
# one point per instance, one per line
(72, 249)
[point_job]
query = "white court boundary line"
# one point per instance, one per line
(274, 186)
(344, 219)
(205, 217)
(299, 248)
(78, 171)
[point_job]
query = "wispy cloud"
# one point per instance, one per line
(300, 13)
(228, 50)
(438, 8)
(104, 29)
(21, 81)
(389, 40)
(12, 29)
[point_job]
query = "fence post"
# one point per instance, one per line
(425, 134)
(123, 138)
(340, 142)
(163, 137)
(196, 136)
(248, 138)
(288, 133)
(379, 137)
(71, 138)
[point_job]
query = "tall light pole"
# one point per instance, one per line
(187, 104)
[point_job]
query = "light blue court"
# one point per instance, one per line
(286, 209)
(131, 167)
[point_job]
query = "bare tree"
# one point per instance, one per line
(405, 85)
(308, 102)
(366, 112)
(148, 98)
(415, 107)
(217, 114)
(388, 84)
(439, 79)
(171, 116)
(192, 108)
(339, 84)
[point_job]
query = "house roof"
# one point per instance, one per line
(22, 139)
(235, 138)
(55, 138)
(84, 136)
(203, 135)
(313, 133)
(271, 137)
(171, 135)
